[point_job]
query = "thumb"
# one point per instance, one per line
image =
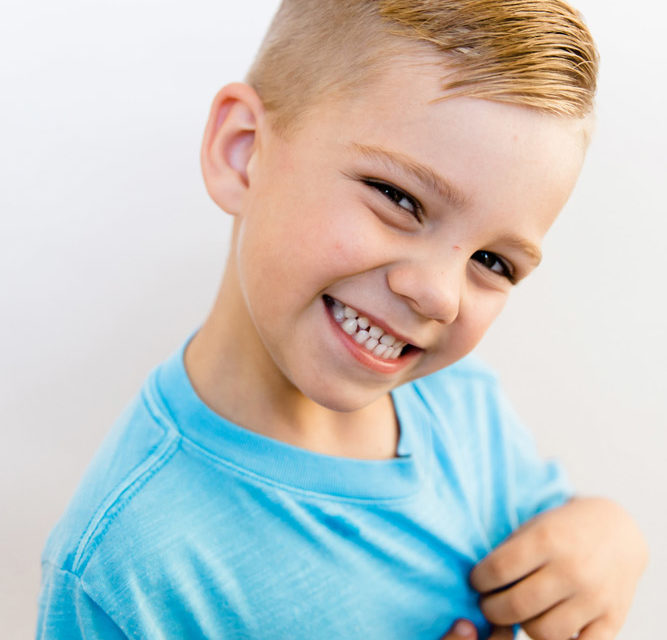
(462, 630)
(466, 630)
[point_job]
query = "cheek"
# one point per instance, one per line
(475, 318)
(487, 311)
(288, 253)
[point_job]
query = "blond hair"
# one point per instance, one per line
(537, 53)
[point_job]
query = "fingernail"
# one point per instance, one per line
(464, 629)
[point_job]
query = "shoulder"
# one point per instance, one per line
(465, 387)
(468, 370)
(468, 411)
(459, 411)
(132, 450)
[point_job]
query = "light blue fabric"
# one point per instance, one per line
(188, 526)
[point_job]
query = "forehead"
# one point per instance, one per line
(406, 90)
(494, 154)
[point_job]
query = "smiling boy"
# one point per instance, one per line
(316, 461)
(430, 262)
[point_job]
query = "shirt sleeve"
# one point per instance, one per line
(67, 611)
(525, 484)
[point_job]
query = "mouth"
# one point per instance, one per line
(375, 340)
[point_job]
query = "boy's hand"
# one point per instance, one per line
(571, 570)
(465, 630)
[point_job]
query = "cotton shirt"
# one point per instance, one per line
(188, 526)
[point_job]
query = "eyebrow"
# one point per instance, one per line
(395, 161)
(531, 250)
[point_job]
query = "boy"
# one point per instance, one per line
(315, 461)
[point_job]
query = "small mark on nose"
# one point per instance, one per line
(457, 248)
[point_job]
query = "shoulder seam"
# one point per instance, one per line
(119, 497)
(96, 514)
(83, 588)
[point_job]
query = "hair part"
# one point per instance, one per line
(535, 53)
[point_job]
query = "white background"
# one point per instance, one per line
(110, 254)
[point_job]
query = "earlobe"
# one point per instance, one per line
(230, 140)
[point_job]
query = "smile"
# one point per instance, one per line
(373, 338)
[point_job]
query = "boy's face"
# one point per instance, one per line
(416, 213)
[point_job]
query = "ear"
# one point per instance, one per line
(230, 140)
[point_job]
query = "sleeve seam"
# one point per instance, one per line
(80, 584)
(118, 499)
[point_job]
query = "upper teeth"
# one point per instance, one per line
(373, 338)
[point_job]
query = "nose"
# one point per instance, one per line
(432, 290)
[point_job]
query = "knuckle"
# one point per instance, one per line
(580, 580)
(497, 568)
(596, 603)
(542, 630)
(559, 623)
(547, 538)
(490, 610)
(610, 626)
(537, 630)
(496, 610)
(604, 632)
(598, 600)
(605, 628)
(542, 593)
(518, 606)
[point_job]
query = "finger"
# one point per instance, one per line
(600, 629)
(461, 630)
(525, 551)
(527, 599)
(502, 633)
(563, 621)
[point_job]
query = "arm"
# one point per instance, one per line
(66, 610)
(569, 570)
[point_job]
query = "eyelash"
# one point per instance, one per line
(395, 195)
(488, 255)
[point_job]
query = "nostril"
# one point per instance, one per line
(432, 292)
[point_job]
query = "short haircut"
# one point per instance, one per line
(537, 53)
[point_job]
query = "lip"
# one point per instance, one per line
(379, 323)
(363, 355)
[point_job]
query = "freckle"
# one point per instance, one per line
(457, 248)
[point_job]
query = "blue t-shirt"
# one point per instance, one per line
(188, 526)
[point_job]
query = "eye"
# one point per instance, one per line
(397, 197)
(494, 263)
